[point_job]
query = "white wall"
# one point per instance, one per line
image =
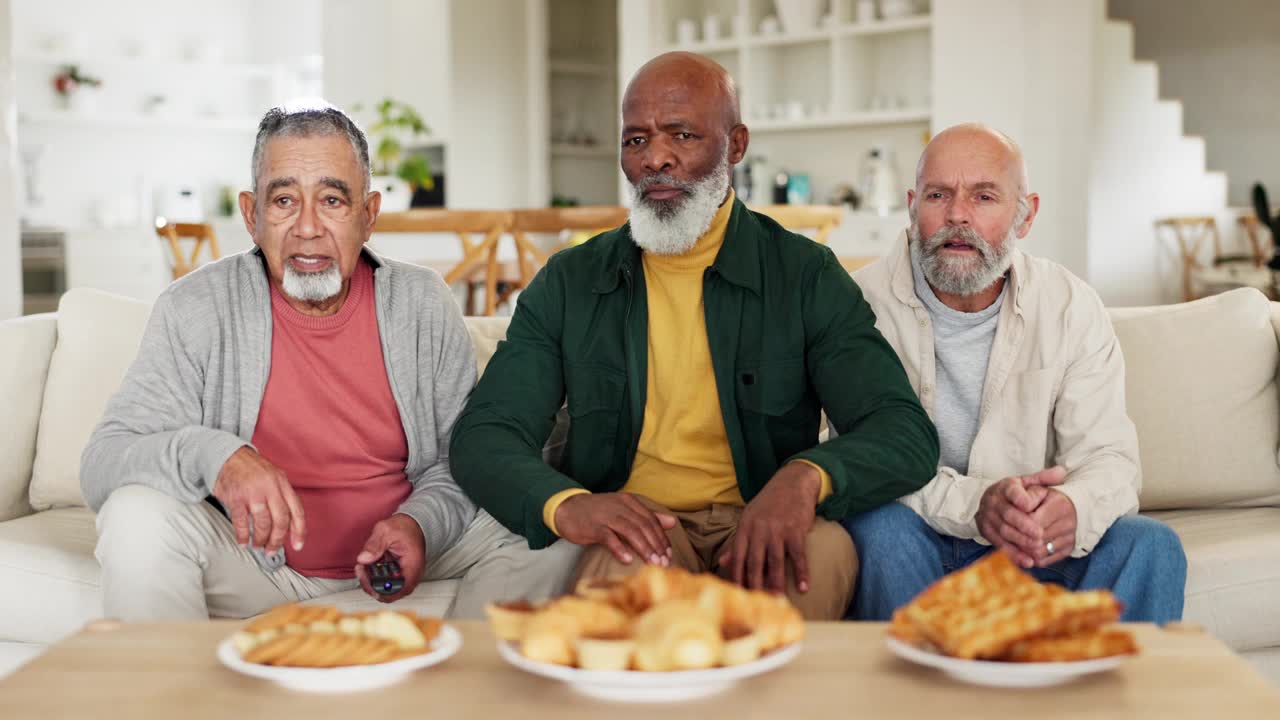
(85, 163)
(488, 150)
(10, 247)
(1222, 60)
(1024, 67)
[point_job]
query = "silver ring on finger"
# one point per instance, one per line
(1048, 547)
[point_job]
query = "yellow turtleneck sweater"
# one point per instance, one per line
(683, 461)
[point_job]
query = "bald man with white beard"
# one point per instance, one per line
(1016, 361)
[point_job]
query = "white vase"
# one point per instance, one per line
(798, 16)
(396, 193)
(83, 100)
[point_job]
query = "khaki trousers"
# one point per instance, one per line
(700, 536)
(165, 559)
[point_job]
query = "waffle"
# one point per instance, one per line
(1089, 645)
(991, 607)
(323, 637)
(659, 619)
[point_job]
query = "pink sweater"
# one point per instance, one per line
(330, 422)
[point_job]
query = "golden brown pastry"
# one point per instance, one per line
(605, 653)
(322, 637)
(678, 635)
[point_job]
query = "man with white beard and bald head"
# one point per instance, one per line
(697, 346)
(1017, 363)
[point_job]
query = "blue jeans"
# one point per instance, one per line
(1138, 559)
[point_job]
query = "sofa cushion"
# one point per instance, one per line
(486, 333)
(1200, 382)
(1233, 572)
(48, 575)
(25, 346)
(98, 338)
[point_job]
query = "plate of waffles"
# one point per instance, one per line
(661, 635)
(993, 624)
(320, 649)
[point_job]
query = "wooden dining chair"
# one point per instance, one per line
(1225, 270)
(477, 230)
(1190, 234)
(593, 219)
(821, 219)
(201, 233)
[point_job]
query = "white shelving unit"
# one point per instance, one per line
(136, 121)
(582, 101)
(817, 99)
(838, 73)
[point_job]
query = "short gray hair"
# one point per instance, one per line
(306, 120)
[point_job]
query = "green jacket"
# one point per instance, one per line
(790, 335)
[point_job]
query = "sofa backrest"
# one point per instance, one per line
(97, 338)
(1201, 388)
(25, 346)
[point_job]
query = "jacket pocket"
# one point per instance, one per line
(1025, 409)
(595, 395)
(772, 389)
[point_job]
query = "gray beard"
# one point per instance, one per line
(956, 276)
(673, 227)
(312, 286)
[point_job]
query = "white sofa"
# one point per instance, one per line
(1201, 388)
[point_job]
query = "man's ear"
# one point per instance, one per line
(249, 214)
(739, 139)
(372, 206)
(1034, 201)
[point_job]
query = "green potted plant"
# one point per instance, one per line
(397, 175)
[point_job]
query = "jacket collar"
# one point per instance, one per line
(902, 280)
(737, 262)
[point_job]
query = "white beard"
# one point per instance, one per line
(672, 227)
(312, 286)
(959, 276)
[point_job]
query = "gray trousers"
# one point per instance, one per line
(165, 559)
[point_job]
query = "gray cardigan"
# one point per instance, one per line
(191, 397)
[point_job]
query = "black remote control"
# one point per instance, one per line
(385, 576)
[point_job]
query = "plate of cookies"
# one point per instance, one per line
(993, 624)
(319, 648)
(663, 634)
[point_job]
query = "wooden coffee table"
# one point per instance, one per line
(169, 671)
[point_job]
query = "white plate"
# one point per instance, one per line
(343, 679)
(636, 686)
(1003, 674)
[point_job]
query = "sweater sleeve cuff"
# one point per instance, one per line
(825, 491)
(553, 503)
(214, 448)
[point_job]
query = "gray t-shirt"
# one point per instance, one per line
(961, 348)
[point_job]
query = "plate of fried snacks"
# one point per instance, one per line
(319, 648)
(993, 624)
(663, 634)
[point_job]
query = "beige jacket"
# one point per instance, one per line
(1054, 395)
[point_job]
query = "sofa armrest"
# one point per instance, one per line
(26, 345)
(1275, 319)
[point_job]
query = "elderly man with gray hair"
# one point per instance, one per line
(286, 422)
(1016, 361)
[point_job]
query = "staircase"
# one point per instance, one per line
(1142, 168)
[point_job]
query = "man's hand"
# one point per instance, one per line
(1005, 514)
(249, 486)
(1056, 514)
(619, 522)
(400, 536)
(774, 528)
